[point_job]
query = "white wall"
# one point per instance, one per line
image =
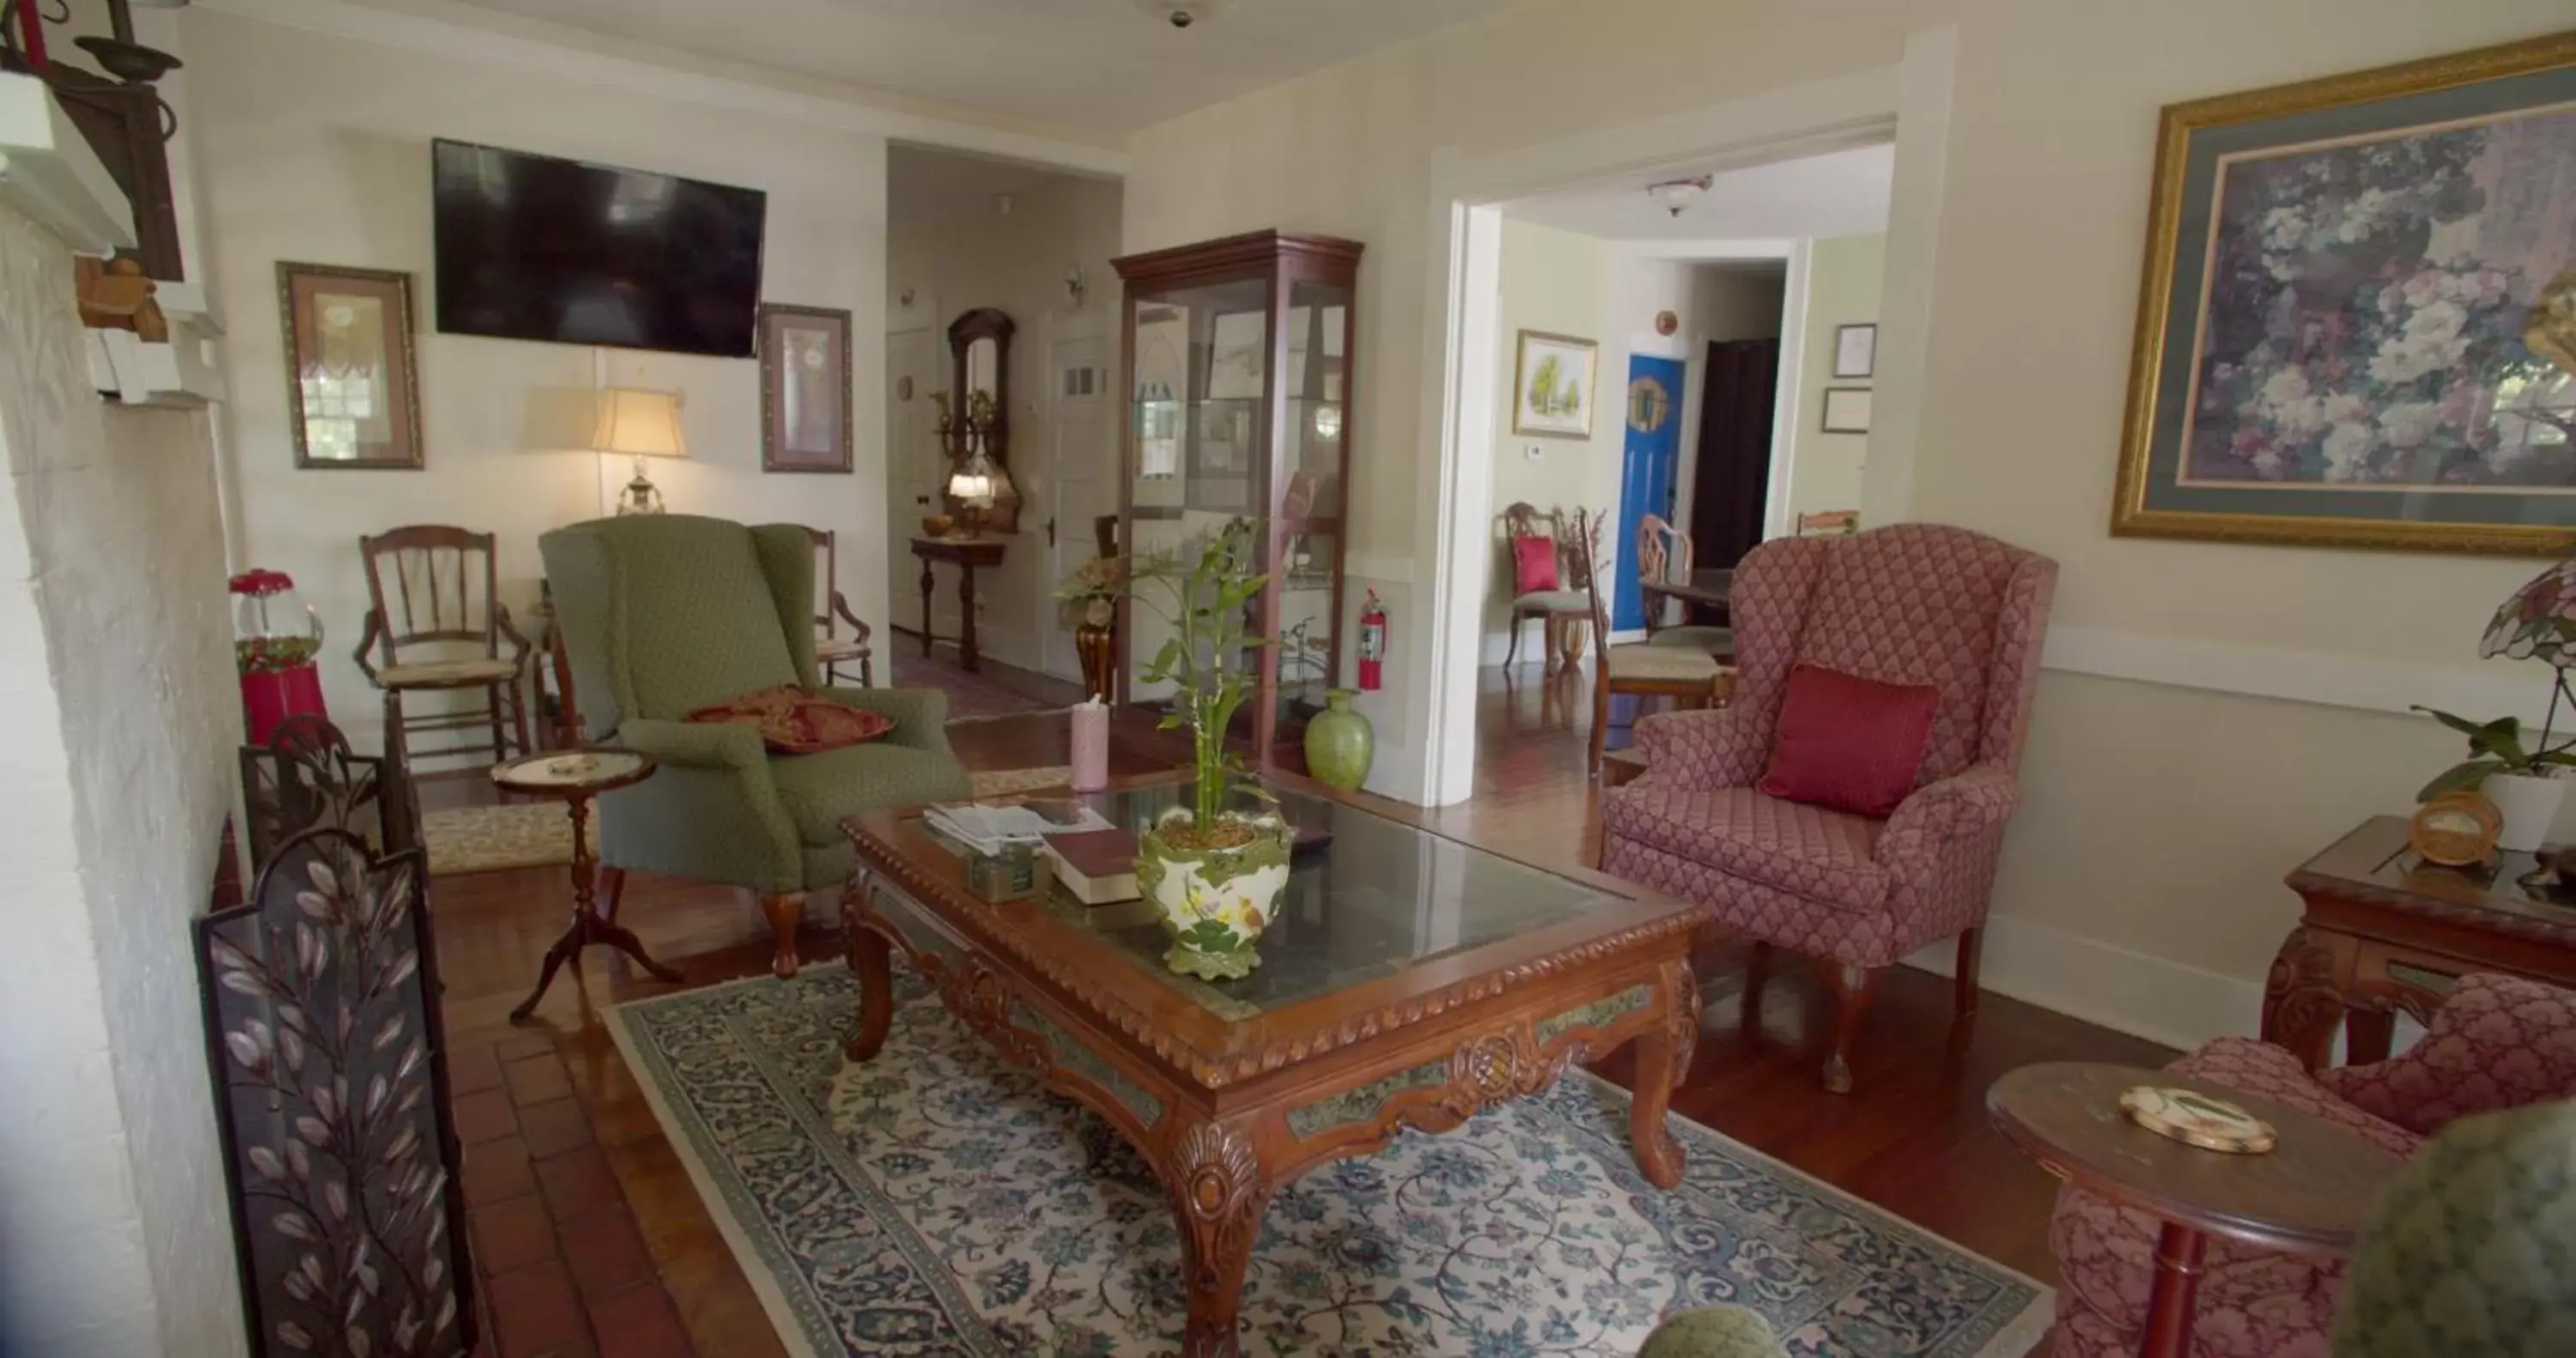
(115, 660)
(332, 166)
(1842, 289)
(1559, 283)
(1017, 263)
(2146, 908)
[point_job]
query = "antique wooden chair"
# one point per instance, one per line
(1572, 599)
(1664, 554)
(436, 624)
(831, 650)
(1688, 675)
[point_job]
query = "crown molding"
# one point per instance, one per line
(560, 62)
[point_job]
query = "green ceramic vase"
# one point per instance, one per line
(1340, 743)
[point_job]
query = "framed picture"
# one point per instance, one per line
(1552, 387)
(1855, 350)
(352, 385)
(804, 389)
(1846, 410)
(2343, 326)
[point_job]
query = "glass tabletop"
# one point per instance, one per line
(1376, 899)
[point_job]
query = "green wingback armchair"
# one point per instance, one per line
(665, 614)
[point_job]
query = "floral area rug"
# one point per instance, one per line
(539, 834)
(932, 1201)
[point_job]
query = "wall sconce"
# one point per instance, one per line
(1077, 285)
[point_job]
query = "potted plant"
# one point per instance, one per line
(1090, 599)
(2522, 780)
(1216, 872)
(2521, 777)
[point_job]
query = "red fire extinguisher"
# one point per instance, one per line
(1372, 644)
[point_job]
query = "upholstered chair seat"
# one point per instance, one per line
(665, 615)
(1912, 607)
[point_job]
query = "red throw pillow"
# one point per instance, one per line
(1849, 743)
(795, 721)
(1533, 565)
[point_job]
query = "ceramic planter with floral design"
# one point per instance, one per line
(1215, 901)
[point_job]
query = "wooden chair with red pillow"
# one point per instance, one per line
(1849, 801)
(1546, 583)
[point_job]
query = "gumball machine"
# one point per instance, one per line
(275, 640)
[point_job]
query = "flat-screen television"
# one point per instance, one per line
(533, 247)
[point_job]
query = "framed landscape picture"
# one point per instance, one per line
(1553, 387)
(804, 389)
(352, 385)
(2345, 326)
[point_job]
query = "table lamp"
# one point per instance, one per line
(977, 482)
(642, 423)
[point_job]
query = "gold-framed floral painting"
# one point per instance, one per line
(2351, 327)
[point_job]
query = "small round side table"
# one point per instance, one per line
(574, 777)
(2310, 1194)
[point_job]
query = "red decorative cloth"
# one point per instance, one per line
(1534, 565)
(1848, 743)
(793, 720)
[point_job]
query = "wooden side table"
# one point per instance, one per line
(2311, 1194)
(2385, 932)
(968, 555)
(574, 777)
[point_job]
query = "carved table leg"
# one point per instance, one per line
(2175, 1292)
(928, 582)
(871, 960)
(2304, 994)
(1663, 1057)
(966, 653)
(1218, 1194)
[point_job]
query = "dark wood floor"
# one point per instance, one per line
(1912, 1137)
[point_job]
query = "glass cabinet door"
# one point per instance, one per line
(1198, 437)
(1306, 514)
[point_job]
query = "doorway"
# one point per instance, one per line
(1730, 501)
(1904, 107)
(1649, 469)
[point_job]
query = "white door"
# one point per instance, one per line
(915, 368)
(1079, 439)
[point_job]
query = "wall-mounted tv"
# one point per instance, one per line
(533, 247)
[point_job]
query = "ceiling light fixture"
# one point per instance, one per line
(1178, 13)
(1675, 195)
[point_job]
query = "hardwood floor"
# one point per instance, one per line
(1912, 1137)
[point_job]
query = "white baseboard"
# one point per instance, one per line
(2151, 997)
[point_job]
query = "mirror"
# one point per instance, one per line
(983, 357)
(979, 347)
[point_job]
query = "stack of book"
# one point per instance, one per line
(1097, 866)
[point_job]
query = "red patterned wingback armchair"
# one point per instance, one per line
(1916, 604)
(2497, 1042)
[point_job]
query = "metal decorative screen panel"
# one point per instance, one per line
(331, 1092)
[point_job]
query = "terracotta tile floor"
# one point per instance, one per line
(562, 1263)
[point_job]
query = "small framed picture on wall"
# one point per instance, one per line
(1855, 350)
(804, 389)
(1846, 410)
(352, 386)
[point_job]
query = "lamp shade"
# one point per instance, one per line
(641, 422)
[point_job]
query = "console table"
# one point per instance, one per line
(968, 555)
(2385, 932)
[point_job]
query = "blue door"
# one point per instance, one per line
(1646, 472)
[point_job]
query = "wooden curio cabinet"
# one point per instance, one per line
(1239, 369)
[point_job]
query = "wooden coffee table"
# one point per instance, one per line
(1409, 981)
(2310, 1194)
